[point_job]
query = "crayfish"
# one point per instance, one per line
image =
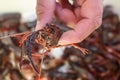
(41, 41)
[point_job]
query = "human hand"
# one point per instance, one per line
(84, 17)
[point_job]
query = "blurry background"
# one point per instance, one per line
(27, 7)
(69, 63)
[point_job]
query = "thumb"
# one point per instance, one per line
(69, 37)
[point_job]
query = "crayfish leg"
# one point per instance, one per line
(83, 50)
(35, 68)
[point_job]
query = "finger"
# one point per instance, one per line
(45, 11)
(45, 8)
(68, 37)
(65, 15)
(39, 25)
(65, 4)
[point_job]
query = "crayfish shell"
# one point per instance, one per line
(49, 36)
